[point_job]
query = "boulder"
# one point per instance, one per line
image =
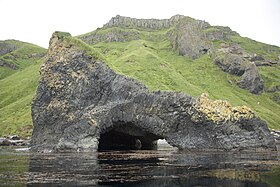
(231, 63)
(83, 105)
(188, 39)
(4, 142)
(251, 80)
(232, 59)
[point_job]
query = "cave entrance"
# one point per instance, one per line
(127, 137)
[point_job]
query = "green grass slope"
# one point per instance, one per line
(151, 60)
(16, 95)
(18, 86)
(148, 57)
(24, 55)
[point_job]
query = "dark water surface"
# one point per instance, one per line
(165, 167)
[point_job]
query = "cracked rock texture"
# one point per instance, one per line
(79, 99)
(234, 60)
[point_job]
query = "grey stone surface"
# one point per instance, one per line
(232, 63)
(121, 21)
(251, 80)
(79, 99)
(187, 37)
(232, 59)
(215, 33)
(6, 47)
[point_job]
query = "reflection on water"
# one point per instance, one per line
(167, 167)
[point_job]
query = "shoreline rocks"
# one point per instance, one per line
(13, 140)
(276, 134)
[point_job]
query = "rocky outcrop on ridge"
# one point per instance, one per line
(232, 63)
(127, 22)
(215, 33)
(234, 60)
(251, 80)
(12, 52)
(6, 47)
(115, 29)
(82, 105)
(188, 38)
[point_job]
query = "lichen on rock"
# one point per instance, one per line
(220, 111)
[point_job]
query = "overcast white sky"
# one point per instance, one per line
(35, 20)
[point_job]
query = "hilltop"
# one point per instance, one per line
(177, 54)
(189, 55)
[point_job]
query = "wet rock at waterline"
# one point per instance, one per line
(83, 105)
(13, 140)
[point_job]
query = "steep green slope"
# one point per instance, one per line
(16, 55)
(19, 75)
(16, 96)
(151, 60)
(149, 56)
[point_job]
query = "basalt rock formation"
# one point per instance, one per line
(251, 80)
(234, 60)
(121, 21)
(83, 105)
(189, 39)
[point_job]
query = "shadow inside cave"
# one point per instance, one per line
(127, 137)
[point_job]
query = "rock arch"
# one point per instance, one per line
(80, 100)
(127, 136)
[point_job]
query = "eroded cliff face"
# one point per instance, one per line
(82, 105)
(124, 22)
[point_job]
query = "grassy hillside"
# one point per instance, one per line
(17, 87)
(151, 60)
(22, 55)
(16, 96)
(147, 56)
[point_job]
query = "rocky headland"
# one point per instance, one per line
(83, 105)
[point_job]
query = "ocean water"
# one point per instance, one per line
(166, 166)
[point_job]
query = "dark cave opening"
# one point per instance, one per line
(127, 137)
